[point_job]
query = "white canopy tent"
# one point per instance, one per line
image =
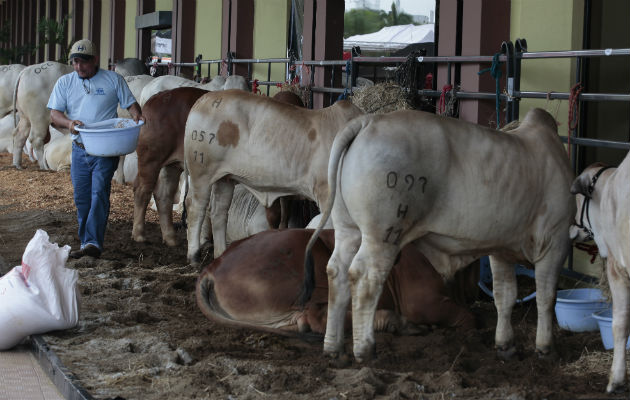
(391, 38)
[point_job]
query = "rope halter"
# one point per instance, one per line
(585, 206)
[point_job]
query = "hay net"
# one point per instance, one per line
(381, 98)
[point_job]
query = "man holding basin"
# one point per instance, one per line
(86, 96)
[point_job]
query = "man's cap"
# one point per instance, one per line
(83, 48)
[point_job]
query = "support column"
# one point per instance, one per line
(323, 40)
(76, 29)
(183, 34)
(117, 33)
(486, 24)
(31, 29)
(21, 23)
(40, 57)
(52, 15)
(449, 40)
(63, 11)
(237, 35)
(143, 39)
(14, 28)
(94, 26)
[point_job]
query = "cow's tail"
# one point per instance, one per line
(184, 208)
(340, 145)
(210, 307)
(15, 89)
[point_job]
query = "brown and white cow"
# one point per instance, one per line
(160, 153)
(255, 283)
(274, 149)
(160, 157)
(603, 197)
(31, 94)
(457, 191)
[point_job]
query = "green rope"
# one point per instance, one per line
(495, 72)
(346, 90)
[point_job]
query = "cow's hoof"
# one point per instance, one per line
(17, 166)
(615, 387)
(366, 356)
(342, 361)
(195, 259)
(546, 353)
(170, 242)
(506, 352)
(138, 238)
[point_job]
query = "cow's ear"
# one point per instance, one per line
(581, 184)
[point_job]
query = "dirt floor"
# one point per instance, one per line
(141, 336)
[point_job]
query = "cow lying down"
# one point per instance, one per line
(255, 283)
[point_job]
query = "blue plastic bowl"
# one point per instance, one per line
(112, 137)
(485, 278)
(575, 308)
(604, 320)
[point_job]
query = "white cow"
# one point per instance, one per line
(164, 82)
(131, 67)
(235, 82)
(8, 76)
(246, 216)
(6, 134)
(31, 94)
(603, 197)
(273, 148)
(457, 191)
(217, 83)
(58, 152)
(136, 83)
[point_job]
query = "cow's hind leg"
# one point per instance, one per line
(346, 244)
(547, 274)
(620, 290)
(142, 189)
(367, 274)
(164, 194)
(222, 192)
(39, 131)
(20, 134)
(200, 198)
(504, 292)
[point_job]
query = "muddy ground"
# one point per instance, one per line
(141, 336)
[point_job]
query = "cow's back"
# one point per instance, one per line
(162, 83)
(34, 89)
(8, 76)
(442, 178)
(260, 141)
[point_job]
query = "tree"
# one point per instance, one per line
(55, 32)
(396, 18)
(360, 21)
(12, 54)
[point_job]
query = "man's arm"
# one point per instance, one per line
(136, 112)
(60, 120)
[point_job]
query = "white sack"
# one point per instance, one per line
(40, 295)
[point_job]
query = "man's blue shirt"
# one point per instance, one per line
(90, 100)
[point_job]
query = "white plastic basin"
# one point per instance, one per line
(109, 138)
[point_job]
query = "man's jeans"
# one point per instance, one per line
(92, 181)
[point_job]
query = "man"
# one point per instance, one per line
(90, 95)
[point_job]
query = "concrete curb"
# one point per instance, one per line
(63, 379)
